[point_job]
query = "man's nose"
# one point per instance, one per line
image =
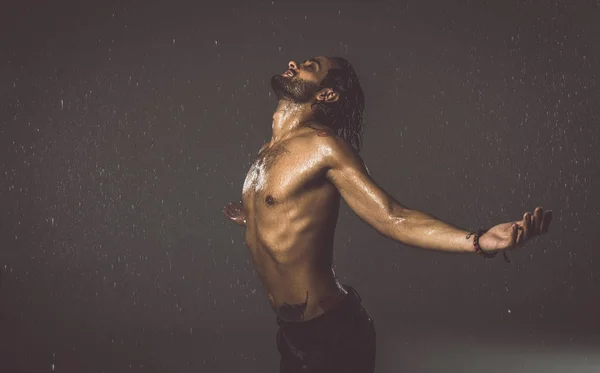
(292, 65)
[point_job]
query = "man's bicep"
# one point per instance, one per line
(367, 199)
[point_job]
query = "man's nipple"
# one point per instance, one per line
(269, 200)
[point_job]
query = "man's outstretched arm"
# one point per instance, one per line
(346, 170)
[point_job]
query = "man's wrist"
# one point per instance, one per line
(467, 239)
(473, 238)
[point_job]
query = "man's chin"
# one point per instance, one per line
(278, 84)
(279, 81)
(294, 91)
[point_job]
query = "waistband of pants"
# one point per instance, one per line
(352, 298)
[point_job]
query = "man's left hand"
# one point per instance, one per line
(513, 234)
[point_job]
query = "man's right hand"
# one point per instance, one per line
(235, 213)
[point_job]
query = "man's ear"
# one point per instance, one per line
(327, 95)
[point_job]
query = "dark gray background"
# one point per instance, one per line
(127, 126)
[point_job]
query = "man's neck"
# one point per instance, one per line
(288, 117)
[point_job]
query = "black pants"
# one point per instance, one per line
(340, 340)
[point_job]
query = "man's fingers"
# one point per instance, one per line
(229, 211)
(231, 216)
(539, 215)
(513, 235)
(232, 207)
(520, 234)
(546, 222)
(234, 212)
(526, 227)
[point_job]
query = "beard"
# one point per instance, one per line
(299, 91)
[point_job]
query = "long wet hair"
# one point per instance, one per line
(345, 116)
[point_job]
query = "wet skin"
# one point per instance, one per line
(291, 211)
(291, 198)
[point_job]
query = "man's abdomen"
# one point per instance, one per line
(291, 243)
(299, 280)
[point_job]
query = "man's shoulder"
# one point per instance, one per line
(334, 149)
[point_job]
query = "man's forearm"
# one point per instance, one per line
(419, 229)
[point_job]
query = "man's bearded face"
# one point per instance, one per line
(293, 88)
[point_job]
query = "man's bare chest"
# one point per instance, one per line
(268, 157)
(262, 172)
(278, 171)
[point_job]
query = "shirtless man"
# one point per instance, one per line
(291, 199)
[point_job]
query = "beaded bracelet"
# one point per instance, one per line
(478, 249)
(476, 244)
